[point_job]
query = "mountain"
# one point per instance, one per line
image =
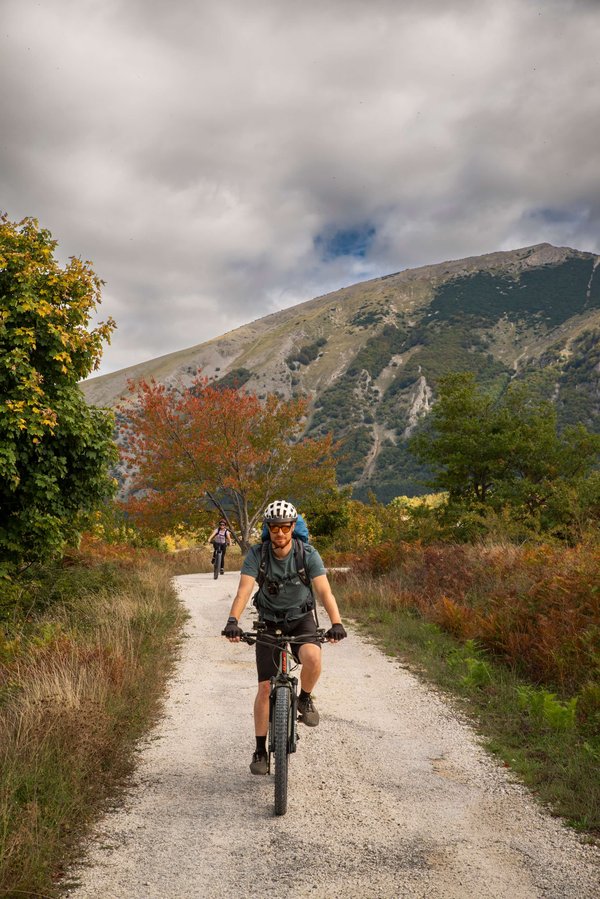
(369, 356)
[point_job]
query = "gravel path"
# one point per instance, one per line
(390, 796)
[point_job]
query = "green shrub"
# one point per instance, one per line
(588, 708)
(544, 706)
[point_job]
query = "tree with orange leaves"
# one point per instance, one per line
(185, 447)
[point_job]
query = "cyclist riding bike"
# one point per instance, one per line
(221, 538)
(285, 603)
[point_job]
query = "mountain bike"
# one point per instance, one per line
(283, 704)
(218, 559)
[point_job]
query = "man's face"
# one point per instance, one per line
(281, 534)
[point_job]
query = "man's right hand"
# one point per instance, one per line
(232, 630)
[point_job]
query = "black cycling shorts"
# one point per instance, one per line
(267, 656)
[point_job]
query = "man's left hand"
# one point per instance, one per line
(336, 633)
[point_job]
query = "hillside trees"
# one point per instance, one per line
(505, 452)
(55, 451)
(182, 442)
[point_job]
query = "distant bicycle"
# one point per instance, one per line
(218, 560)
(283, 704)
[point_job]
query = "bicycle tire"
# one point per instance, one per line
(217, 564)
(281, 714)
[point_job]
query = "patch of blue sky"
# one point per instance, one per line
(354, 242)
(556, 215)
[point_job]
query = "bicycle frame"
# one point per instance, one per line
(283, 679)
(283, 711)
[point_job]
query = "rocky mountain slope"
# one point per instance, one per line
(369, 356)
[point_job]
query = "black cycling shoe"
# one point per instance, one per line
(259, 763)
(307, 711)
(222, 571)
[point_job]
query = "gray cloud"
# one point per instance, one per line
(203, 153)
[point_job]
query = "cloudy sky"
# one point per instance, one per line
(218, 160)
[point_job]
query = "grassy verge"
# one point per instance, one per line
(551, 742)
(85, 650)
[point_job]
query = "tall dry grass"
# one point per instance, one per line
(536, 608)
(77, 689)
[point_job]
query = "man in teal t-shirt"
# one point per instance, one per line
(291, 599)
(284, 602)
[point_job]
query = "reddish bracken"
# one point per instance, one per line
(536, 608)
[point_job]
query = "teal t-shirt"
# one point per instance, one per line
(293, 596)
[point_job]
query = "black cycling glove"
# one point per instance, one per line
(336, 632)
(232, 629)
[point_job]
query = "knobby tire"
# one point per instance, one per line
(217, 564)
(281, 729)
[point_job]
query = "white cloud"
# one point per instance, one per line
(196, 150)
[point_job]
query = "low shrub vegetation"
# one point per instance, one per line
(515, 632)
(536, 608)
(85, 648)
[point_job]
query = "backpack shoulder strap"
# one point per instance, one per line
(263, 564)
(300, 560)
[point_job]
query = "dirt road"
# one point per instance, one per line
(389, 797)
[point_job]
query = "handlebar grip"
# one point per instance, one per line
(244, 638)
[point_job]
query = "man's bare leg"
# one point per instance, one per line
(259, 763)
(310, 656)
(261, 709)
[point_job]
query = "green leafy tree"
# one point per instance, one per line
(504, 452)
(328, 514)
(55, 451)
(544, 464)
(466, 441)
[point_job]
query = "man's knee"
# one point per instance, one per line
(310, 656)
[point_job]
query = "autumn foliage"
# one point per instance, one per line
(180, 442)
(536, 608)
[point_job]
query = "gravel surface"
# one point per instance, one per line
(390, 796)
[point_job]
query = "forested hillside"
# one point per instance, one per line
(369, 357)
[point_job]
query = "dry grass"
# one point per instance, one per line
(535, 608)
(76, 691)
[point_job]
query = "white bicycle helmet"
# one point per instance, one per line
(280, 512)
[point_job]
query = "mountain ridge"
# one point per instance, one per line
(368, 356)
(91, 385)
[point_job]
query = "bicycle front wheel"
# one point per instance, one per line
(217, 563)
(281, 730)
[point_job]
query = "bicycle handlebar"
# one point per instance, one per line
(252, 637)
